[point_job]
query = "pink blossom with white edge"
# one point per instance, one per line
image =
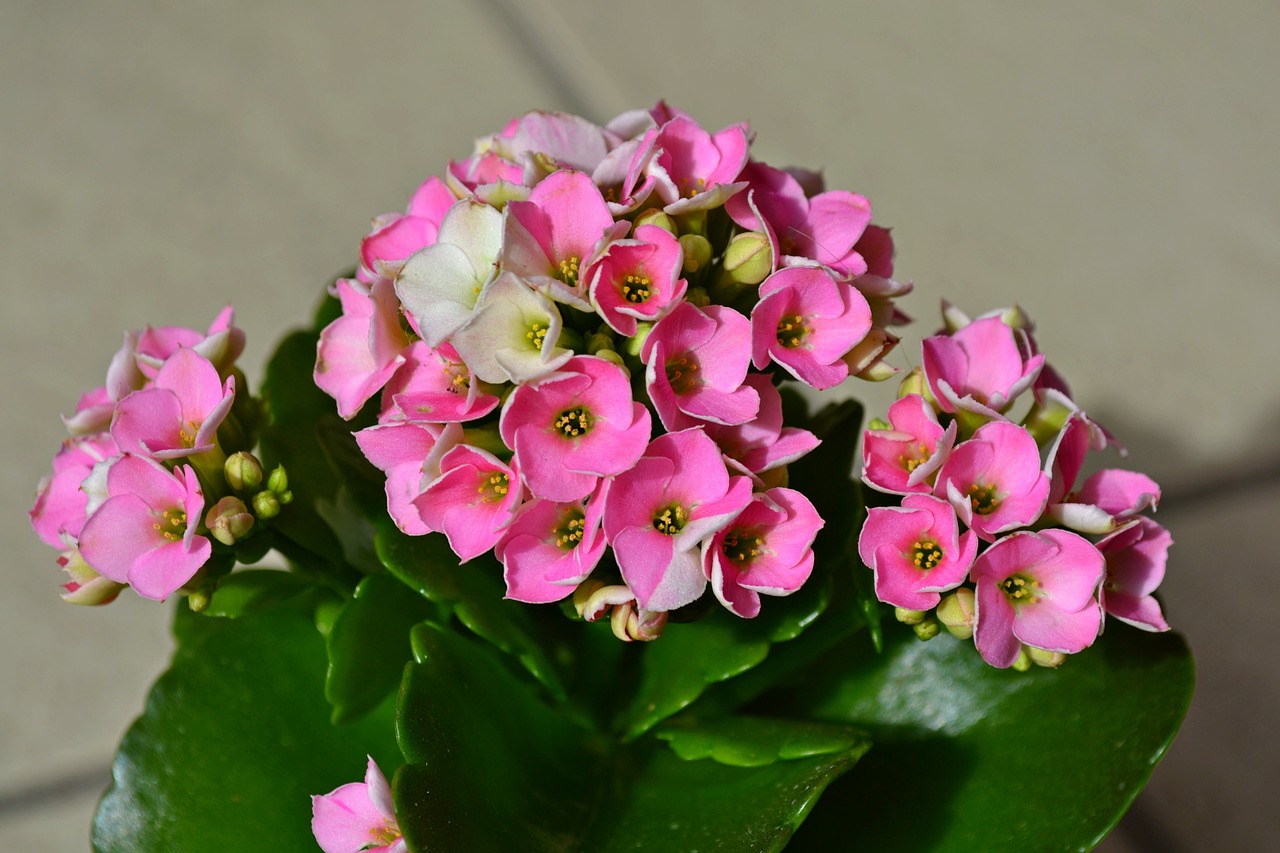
(409, 454)
(358, 816)
(358, 352)
(916, 551)
(434, 386)
(807, 321)
(144, 534)
(472, 500)
(903, 459)
(994, 480)
(981, 368)
(573, 427)
(636, 280)
(767, 549)
(696, 360)
(179, 414)
(762, 443)
(60, 508)
(543, 142)
(1136, 555)
(694, 169)
(549, 548)
(1107, 499)
(398, 236)
(1036, 588)
(658, 512)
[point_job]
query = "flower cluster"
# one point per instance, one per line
(578, 334)
(993, 530)
(144, 487)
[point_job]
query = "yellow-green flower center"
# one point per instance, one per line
(925, 554)
(670, 519)
(569, 271)
(792, 331)
(573, 423)
(682, 373)
(537, 334)
(914, 457)
(494, 487)
(187, 433)
(172, 524)
(636, 288)
(741, 547)
(983, 499)
(1020, 589)
(569, 532)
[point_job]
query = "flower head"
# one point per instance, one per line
(358, 816)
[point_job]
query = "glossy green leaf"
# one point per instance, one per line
(250, 590)
(234, 741)
(757, 741)
(369, 645)
(968, 757)
(492, 767)
(475, 593)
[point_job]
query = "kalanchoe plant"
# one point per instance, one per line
(567, 551)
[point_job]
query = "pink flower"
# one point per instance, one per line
(358, 352)
(807, 321)
(472, 500)
(916, 551)
(551, 547)
(762, 443)
(1107, 498)
(435, 386)
(60, 508)
(994, 480)
(981, 368)
(696, 170)
(144, 534)
(697, 359)
(179, 414)
(658, 512)
(904, 458)
(1037, 589)
(547, 141)
(397, 236)
(409, 454)
(573, 427)
(1136, 555)
(766, 549)
(636, 279)
(357, 816)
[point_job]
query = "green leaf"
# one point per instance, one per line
(969, 757)
(475, 594)
(757, 741)
(369, 645)
(250, 590)
(492, 767)
(234, 740)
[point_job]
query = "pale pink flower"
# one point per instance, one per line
(1107, 498)
(543, 142)
(549, 548)
(903, 459)
(994, 480)
(409, 454)
(981, 368)
(621, 175)
(398, 236)
(514, 334)
(876, 248)
(1036, 588)
(179, 414)
(697, 359)
(694, 169)
(762, 443)
(434, 386)
(358, 352)
(766, 549)
(916, 551)
(636, 280)
(60, 508)
(144, 534)
(358, 816)
(573, 427)
(1136, 555)
(807, 321)
(472, 500)
(658, 512)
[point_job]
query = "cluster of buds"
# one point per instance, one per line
(993, 533)
(145, 482)
(578, 334)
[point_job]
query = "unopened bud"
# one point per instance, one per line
(646, 625)
(229, 520)
(1041, 657)
(86, 586)
(908, 617)
(866, 360)
(748, 259)
(926, 630)
(243, 471)
(697, 252)
(657, 216)
(955, 612)
(198, 600)
(697, 297)
(616, 358)
(266, 505)
(635, 343)
(913, 383)
(278, 482)
(582, 595)
(1023, 663)
(599, 341)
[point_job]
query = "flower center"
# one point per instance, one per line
(573, 423)
(568, 533)
(983, 499)
(1020, 589)
(386, 834)
(792, 331)
(537, 334)
(458, 381)
(636, 288)
(172, 524)
(926, 554)
(914, 457)
(682, 373)
(670, 519)
(741, 547)
(187, 433)
(494, 487)
(569, 271)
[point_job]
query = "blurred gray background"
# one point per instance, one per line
(1112, 167)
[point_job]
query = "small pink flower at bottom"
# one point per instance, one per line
(472, 500)
(357, 816)
(549, 548)
(1037, 589)
(916, 551)
(1136, 556)
(766, 549)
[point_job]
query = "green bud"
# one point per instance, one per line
(635, 343)
(657, 216)
(748, 259)
(266, 505)
(279, 480)
(1046, 418)
(229, 520)
(877, 423)
(926, 630)
(913, 383)
(909, 617)
(697, 252)
(697, 297)
(243, 471)
(955, 612)
(198, 600)
(599, 341)
(1023, 663)
(616, 358)
(582, 594)
(1050, 660)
